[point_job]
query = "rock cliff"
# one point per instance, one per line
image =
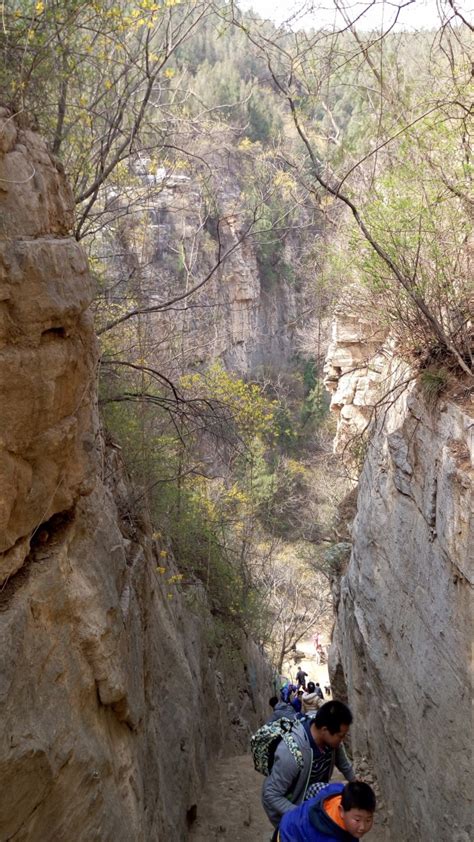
(247, 313)
(115, 688)
(404, 622)
(47, 347)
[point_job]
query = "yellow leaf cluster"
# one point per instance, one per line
(285, 181)
(236, 495)
(149, 6)
(295, 468)
(250, 410)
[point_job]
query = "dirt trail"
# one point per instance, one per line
(230, 807)
(230, 810)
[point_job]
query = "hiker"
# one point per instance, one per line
(327, 689)
(284, 706)
(317, 748)
(311, 700)
(338, 812)
(319, 691)
(297, 701)
(301, 676)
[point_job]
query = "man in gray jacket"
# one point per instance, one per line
(319, 740)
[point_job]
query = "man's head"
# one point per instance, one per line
(273, 701)
(357, 808)
(332, 723)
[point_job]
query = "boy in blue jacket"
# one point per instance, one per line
(338, 812)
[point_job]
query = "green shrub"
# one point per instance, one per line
(433, 382)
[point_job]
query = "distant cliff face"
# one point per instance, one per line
(248, 311)
(115, 688)
(404, 623)
(355, 361)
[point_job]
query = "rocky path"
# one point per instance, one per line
(230, 809)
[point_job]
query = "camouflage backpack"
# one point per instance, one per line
(264, 743)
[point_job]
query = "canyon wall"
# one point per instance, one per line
(174, 230)
(401, 649)
(116, 685)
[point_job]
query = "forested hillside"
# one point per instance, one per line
(215, 161)
(234, 182)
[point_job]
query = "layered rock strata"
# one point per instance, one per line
(115, 687)
(47, 349)
(354, 369)
(401, 649)
(248, 312)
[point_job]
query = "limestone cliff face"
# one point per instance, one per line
(47, 349)
(115, 689)
(246, 313)
(404, 622)
(355, 367)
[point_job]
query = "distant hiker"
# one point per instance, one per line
(337, 812)
(319, 691)
(319, 741)
(279, 683)
(296, 701)
(284, 706)
(301, 676)
(327, 689)
(311, 700)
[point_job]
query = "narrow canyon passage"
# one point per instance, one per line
(236, 412)
(230, 805)
(230, 808)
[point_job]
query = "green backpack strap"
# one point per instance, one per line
(294, 749)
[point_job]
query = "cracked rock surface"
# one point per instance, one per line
(401, 650)
(113, 697)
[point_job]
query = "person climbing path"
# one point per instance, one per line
(230, 810)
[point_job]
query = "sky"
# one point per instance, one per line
(416, 14)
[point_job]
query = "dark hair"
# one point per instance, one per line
(311, 687)
(332, 715)
(273, 701)
(358, 795)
